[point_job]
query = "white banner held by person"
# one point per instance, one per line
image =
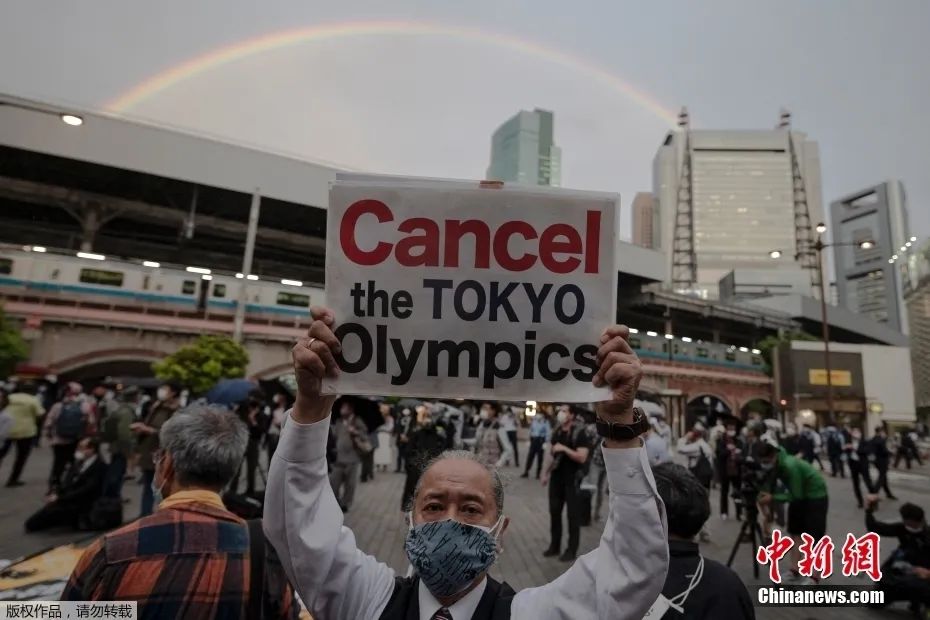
(453, 289)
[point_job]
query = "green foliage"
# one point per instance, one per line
(13, 348)
(768, 345)
(199, 365)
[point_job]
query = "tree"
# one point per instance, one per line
(13, 348)
(768, 345)
(202, 363)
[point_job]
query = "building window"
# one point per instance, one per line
(293, 299)
(101, 276)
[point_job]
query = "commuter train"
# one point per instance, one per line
(130, 282)
(652, 345)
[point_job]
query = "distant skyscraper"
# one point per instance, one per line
(644, 220)
(523, 150)
(872, 281)
(917, 301)
(725, 199)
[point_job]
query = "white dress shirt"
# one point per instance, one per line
(619, 580)
(461, 610)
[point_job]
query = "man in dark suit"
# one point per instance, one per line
(879, 445)
(82, 485)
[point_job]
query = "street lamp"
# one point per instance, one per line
(817, 248)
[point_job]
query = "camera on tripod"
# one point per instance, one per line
(751, 479)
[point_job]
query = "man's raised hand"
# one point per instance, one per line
(314, 358)
(620, 369)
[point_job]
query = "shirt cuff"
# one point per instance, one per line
(302, 443)
(628, 471)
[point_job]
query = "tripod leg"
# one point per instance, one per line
(739, 537)
(757, 539)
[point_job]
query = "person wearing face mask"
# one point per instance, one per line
(146, 432)
(351, 443)
(729, 457)
(278, 411)
(857, 459)
(806, 495)
(570, 449)
(487, 438)
(427, 441)
(906, 573)
(540, 431)
(70, 502)
(458, 519)
(217, 565)
(66, 423)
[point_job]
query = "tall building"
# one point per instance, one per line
(872, 281)
(917, 302)
(523, 150)
(725, 199)
(644, 222)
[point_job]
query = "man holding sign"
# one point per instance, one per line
(441, 321)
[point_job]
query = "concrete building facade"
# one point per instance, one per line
(644, 220)
(732, 196)
(523, 150)
(871, 281)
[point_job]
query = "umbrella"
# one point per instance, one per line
(365, 408)
(230, 392)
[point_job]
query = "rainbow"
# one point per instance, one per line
(198, 65)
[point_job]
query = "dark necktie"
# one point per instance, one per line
(442, 614)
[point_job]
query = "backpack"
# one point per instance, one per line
(110, 431)
(70, 423)
(834, 445)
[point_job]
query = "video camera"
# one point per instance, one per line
(751, 479)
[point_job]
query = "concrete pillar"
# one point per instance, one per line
(90, 224)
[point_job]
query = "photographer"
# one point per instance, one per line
(729, 452)
(806, 494)
(906, 574)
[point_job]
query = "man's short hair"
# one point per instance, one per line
(93, 443)
(687, 505)
(206, 444)
(911, 512)
(497, 483)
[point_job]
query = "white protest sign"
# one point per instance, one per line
(448, 289)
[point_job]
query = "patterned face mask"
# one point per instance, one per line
(449, 555)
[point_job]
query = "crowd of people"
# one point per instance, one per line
(189, 459)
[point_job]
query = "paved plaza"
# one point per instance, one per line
(378, 523)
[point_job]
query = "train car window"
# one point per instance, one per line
(756, 360)
(634, 342)
(664, 347)
(730, 356)
(293, 299)
(189, 287)
(675, 349)
(101, 276)
(702, 352)
(145, 282)
(6, 266)
(219, 290)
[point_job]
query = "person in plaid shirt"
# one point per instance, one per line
(191, 558)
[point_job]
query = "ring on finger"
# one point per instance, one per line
(310, 343)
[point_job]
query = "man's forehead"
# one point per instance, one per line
(457, 475)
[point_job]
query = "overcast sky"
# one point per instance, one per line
(853, 73)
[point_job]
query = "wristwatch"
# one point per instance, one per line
(623, 432)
